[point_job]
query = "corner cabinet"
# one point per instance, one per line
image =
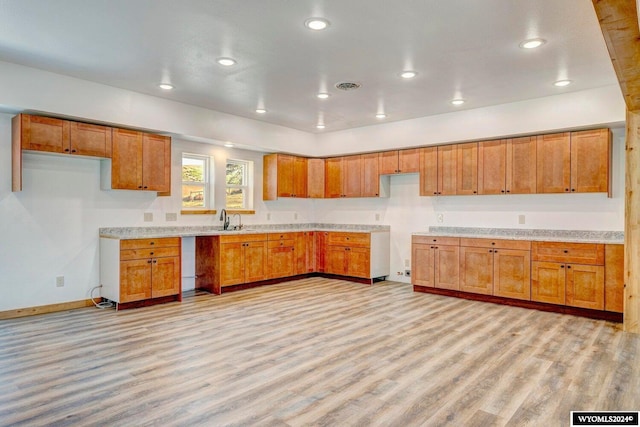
(140, 270)
(284, 176)
(140, 161)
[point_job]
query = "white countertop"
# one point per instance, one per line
(574, 236)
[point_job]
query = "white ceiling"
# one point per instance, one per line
(460, 48)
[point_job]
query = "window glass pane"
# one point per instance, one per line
(193, 169)
(193, 196)
(235, 198)
(235, 173)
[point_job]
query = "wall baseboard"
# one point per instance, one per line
(42, 309)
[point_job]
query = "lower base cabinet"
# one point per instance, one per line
(133, 270)
(435, 262)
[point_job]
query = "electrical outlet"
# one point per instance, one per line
(268, 216)
(60, 281)
(377, 217)
(407, 263)
(171, 216)
(520, 219)
(440, 218)
(148, 217)
(295, 215)
(407, 273)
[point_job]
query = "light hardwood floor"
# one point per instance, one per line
(314, 352)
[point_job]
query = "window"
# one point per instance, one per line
(196, 183)
(238, 178)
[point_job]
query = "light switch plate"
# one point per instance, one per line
(521, 219)
(148, 217)
(171, 216)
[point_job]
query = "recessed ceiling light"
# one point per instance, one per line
(261, 110)
(532, 43)
(457, 101)
(316, 24)
(381, 116)
(320, 126)
(228, 144)
(165, 86)
(323, 95)
(408, 74)
(227, 62)
(562, 83)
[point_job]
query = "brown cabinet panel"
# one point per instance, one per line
(358, 262)
(255, 261)
(585, 286)
(336, 260)
(590, 160)
(156, 163)
(135, 280)
(476, 270)
(352, 176)
(166, 276)
(524, 245)
(44, 134)
(467, 168)
(422, 264)
(370, 175)
(342, 238)
(299, 177)
(447, 169)
(492, 167)
(315, 178)
(231, 263)
(388, 161)
(150, 243)
(446, 267)
(553, 154)
(548, 282)
(512, 273)
(581, 253)
(321, 251)
(90, 140)
(126, 166)
(409, 160)
(521, 165)
(429, 171)
(333, 177)
(281, 261)
(614, 278)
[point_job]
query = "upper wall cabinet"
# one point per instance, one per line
(370, 179)
(399, 161)
(343, 176)
(284, 176)
(52, 135)
(574, 162)
(467, 168)
(315, 178)
(507, 166)
(140, 161)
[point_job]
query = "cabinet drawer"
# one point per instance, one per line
(281, 236)
(349, 239)
(128, 254)
(242, 238)
(578, 253)
(281, 243)
(149, 243)
(523, 245)
(431, 240)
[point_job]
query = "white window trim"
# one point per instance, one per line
(248, 180)
(209, 185)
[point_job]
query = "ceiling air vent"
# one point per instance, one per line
(347, 86)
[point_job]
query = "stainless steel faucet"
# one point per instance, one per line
(225, 219)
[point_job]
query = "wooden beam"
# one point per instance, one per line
(632, 225)
(619, 23)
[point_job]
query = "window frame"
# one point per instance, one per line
(247, 188)
(207, 184)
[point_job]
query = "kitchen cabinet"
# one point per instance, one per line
(140, 161)
(507, 166)
(496, 267)
(281, 257)
(438, 170)
(574, 162)
(305, 252)
(315, 178)
(467, 168)
(343, 176)
(435, 262)
(370, 175)
(400, 161)
(614, 278)
(284, 176)
(363, 255)
(568, 273)
(134, 270)
(229, 260)
(320, 242)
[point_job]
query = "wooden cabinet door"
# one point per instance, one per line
(299, 177)
(333, 177)
(135, 280)
(156, 163)
(358, 262)
(521, 165)
(231, 263)
(590, 160)
(89, 140)
(370, 175)
(585, 286)
(388, 162)
(352, 176)
(165, 276)
(476, 270)
(467, 168)
(492, 167)
(447, 169)
(553, 171)
(422, 265)
(126, 165)
(409, 160)
(336, 261)
(285, 175)
(44, 134)
(321, 251)
(447, 267)
(281, 261)
(300, 253)
(255, 261)
(315, 178)
(310, 254)
(614, 278)
(512, 274)
(548, 282)
(429, 171)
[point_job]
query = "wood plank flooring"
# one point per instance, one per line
(316, 352)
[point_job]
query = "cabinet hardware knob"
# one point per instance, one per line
(495, 251)
(149, 262)
(493, 243)
(568, 266)
(146, 187)
(66, 149)
(490, 251)
(152, 243)
(474, 191)
(566, 189)
(508, 191)
(73, 151)
(436, 247)
(562, 266)
(139, 186)
(502, 191)
(566, 251)
(155, 261)
(435, 192)
(431, 247)
(573, 189)
(434, 240)
(150, 253)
